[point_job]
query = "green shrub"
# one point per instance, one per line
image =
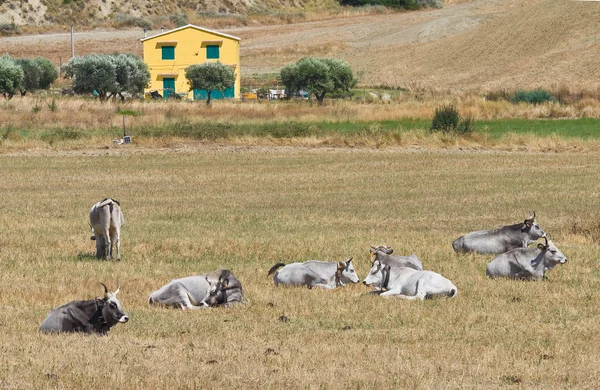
(179, 19)
(123, 20)
(9, 29)
(447, 120)
(535, 96)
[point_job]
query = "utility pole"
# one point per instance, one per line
(72, 43)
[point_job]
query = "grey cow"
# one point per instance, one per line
(220, 287)
(407, 283)
(106, 219)
(92, 316)
(315, 273)
(384, 255)
(502, 239)
(526, 263)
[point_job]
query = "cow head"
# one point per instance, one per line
(388, 250)
(552, 255)
(112, 311)
(531, 227)
(377, 275)
(346, 272)
(217, 293)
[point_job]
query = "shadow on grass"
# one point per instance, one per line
(82, 256)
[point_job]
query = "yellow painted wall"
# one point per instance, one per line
(190, 48)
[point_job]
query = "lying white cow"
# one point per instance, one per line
(314, 273)
(106, 219)
(526, 263)
(408, 283)
(193, 292)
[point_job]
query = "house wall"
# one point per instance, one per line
(190, 48)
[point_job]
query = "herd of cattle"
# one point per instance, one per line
(391, 275)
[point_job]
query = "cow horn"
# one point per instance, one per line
(105, 290)
(373, 247)
(546, 238)
(118, 288)
(534, 215)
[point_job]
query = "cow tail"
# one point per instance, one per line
(275, 267)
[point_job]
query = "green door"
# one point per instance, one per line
(168, 86)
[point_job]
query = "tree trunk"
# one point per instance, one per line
(208, 100)
(320, 98)
(23, 92)
(122, 97)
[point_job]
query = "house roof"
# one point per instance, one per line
(194, 27)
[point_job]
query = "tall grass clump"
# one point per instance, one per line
(447, 119)
(536, 96)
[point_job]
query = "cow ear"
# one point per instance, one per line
(527, 222)
(341, 265)
(372, 257)
(225, 283)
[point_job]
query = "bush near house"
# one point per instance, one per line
(108, 75)
(318, 76)
(210, 76)
(11, 76)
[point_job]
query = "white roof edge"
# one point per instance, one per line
(197, 28)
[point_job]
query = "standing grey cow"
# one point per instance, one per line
(502, 239)
(91, 316)
(526, 263)
(408, 283)
(315, 273)
(106, 220)
(384, 255)
(220, 287)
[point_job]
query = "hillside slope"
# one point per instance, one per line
(481, 44)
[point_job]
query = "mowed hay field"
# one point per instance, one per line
(246, 209)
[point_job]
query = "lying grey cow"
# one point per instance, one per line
(315, 273)
(384, 255)
(526, 263)
(193, 292)
(502, 239)
(91, 316)
(408, 283)
(106, 220)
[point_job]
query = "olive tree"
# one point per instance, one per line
(318, 76)
(210, 76)
(39, 73)
(11, 76)
(108, 74)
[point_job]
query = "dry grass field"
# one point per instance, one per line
(246, 209)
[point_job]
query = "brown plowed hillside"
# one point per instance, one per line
(483, 44)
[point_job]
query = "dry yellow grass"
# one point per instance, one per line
(192, 211)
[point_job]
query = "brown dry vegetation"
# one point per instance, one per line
(480, 44)
(189, 212)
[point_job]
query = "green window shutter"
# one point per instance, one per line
(212, 51)
(168, 52)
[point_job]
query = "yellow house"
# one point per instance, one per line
(169, 53)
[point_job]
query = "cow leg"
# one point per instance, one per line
(115, 241)
(99, 245)
(107, 251)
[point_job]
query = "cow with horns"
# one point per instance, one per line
(315, 273)
(501, 240)
(384, 254)
(92, 316)
(216, 288)
(106, 219)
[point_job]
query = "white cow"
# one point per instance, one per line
(193, 292)
(315, 273)
(408, 283)
(526, 263)
(106, 219)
